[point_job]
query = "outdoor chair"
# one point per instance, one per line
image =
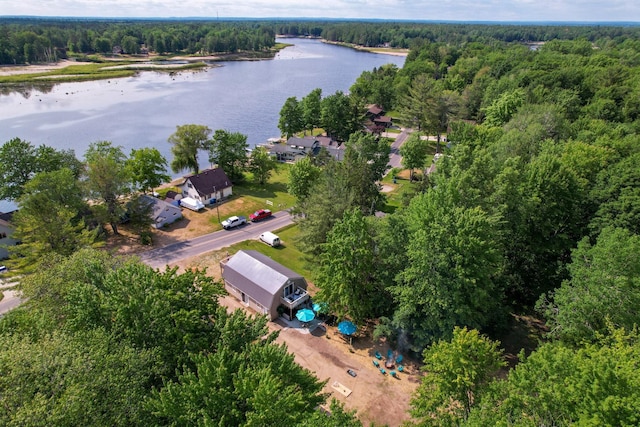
(382, 371)
(378, 355)
(399, 359)
(400, 368)
(393, 374)
(376, 364)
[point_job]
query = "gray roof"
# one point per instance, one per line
(159, 206)
(307, 141)
(258, 275)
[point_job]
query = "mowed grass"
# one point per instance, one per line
(288, 254)
(274, 191)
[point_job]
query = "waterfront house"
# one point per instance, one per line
(162, 212)
(6, 230)
(207, 186)
(263, 284)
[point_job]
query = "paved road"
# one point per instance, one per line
(160, 257)
(395, 159)
(10, 300)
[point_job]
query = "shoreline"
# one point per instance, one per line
(147, 63)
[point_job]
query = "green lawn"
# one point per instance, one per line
(288, 254)
(275, 190)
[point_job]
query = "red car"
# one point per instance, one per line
(260, 215)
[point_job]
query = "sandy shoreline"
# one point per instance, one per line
(12, 70)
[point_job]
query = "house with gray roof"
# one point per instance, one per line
(162, 212)
(263, 284)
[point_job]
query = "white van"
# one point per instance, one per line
(270, 239)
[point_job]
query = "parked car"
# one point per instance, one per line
(270, 239)
(260, 215)
(233, 221)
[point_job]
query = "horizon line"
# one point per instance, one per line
(292, 18)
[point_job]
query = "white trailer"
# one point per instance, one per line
(191, 203)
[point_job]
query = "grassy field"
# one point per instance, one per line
(274, 191)
(93, 71)
(287, 254)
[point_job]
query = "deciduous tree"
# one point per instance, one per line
(147, 168)
(187, 140)
(257, 383)
(108, 181)
(346, 275)
(262, 165)
(456, 372)
(604, 286)
(228, 150)
(291, 117)
(414, 153)
(312, 110)
(453, 261)
(302, 176)
(50, 218)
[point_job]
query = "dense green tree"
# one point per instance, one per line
(453, 264)
(415, 106)
(617, 195)
(312, 110)
(329, 198)
(165, 311)
(17, 166)
(428, 106)
(456, 372)
(337, 416)
(302, 176)
(228, 150)
(414, 153)
(50, 218)
(598, 384)
(78, 379)
(347, 262)
(139, 216)
(364, 164)
(291, 117)
(187, 140)
(108, 181)
(503, 108)
(48, 159)
(147, 168)
(604, 286)
(339, 116)
(376, 87)
(255, 384)
(261, 164)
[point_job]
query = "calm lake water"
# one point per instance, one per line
(143, 111)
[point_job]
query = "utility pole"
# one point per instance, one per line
(217, 202)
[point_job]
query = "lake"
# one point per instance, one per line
(142, 111)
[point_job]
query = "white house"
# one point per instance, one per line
(162, 212)
(207, 186)
(263, 284)
(6, 230)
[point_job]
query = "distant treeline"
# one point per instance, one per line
(405, 34)
(33, 40)
(37, 40)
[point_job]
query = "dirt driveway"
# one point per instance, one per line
(377, 398)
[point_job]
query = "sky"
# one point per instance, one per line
(434, 10)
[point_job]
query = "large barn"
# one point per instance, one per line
(263, 284)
